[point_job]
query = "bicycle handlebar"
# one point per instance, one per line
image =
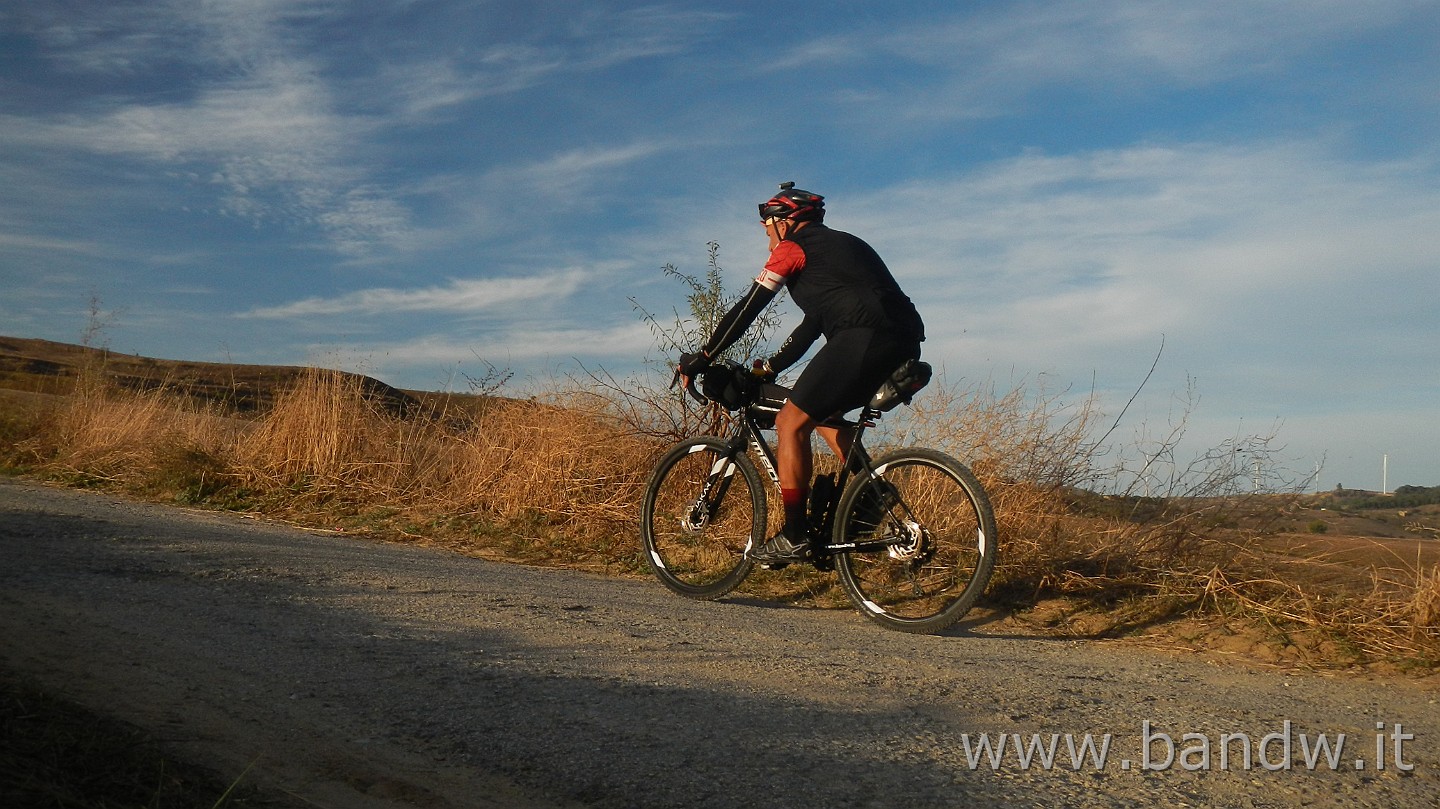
(690, 386)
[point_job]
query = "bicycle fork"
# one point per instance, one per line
(712, 493)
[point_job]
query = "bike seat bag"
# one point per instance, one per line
(901, 387)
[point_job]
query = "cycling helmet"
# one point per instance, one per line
(793, 204)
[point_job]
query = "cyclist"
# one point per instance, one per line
(870, 327)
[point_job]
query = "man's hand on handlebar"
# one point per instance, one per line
(691, 364)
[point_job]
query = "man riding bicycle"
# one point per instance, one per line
(870, 326)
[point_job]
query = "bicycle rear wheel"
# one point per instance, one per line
(702, 510)
(927, 541)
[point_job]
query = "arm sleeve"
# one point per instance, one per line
(796, 344)
(738, 319)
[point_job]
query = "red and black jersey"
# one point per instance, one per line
(840, 282)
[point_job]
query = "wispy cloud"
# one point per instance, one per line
(40, 244)
(593, 39)
(569, 172)
(984, 62)
(462, 296)
(284, 132)
(1275, 253)
(252, 116)
(533, 347)
(131, 36)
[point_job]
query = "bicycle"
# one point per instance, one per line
(911, 533)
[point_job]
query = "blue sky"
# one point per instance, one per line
(412, 189)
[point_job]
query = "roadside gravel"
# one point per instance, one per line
(359, 674)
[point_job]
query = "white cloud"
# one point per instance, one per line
(282, 136)
(17, 242)
(983, 61)
(1259, 264)
(460, 296)
(591, 39)
(432, 361)
(254, 117)
(127, 36)
(570, 172)
(557, 343)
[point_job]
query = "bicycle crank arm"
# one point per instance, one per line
(868, 546)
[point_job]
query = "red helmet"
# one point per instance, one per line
(793, 204)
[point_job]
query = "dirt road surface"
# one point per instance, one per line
(357, 674)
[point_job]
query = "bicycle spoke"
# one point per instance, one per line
(699, 516)
(939, 538)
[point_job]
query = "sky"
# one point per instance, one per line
(425, 189)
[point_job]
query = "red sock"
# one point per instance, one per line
(795, 501)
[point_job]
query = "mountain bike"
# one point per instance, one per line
(911, 533)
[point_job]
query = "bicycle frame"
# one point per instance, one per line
(748, 434)
(910, 533)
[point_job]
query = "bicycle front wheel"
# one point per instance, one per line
(703, 508)
(925, 536)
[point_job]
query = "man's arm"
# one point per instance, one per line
(731, 327)
(795, 345)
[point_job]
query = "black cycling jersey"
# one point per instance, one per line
(849, 296)
(837, 280)
(842, 283)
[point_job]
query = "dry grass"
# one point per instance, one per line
(1340, 618)
(1124, 562)
(557, 479)
(103, 433)
(515, 467)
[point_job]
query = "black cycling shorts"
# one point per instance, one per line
(847, 371)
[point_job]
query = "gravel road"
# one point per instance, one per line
(360, 674)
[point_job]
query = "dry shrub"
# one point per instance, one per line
(1337, 618)
(105, 432)
(1398, 619)
(1131, 542)
(564, 460)
(1006, 435)
(549, 467)
(1031, 452)
(322, 436)
(648, 405)
(1423, 607)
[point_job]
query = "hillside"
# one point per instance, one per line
(46, 367)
